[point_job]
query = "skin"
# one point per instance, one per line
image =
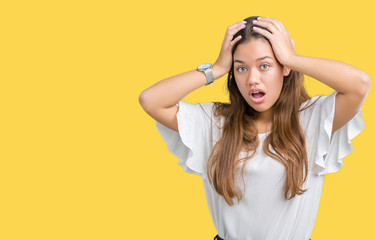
(352, 84)
(266, 74)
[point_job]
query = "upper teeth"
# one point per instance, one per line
(256, 92)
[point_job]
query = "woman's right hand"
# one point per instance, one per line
(224, 61)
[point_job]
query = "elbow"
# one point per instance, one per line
(365, 84)
(143, 100)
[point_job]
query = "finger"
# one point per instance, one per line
(265, 33)
(271, 22)
(279, 24)
(237, 24)
(237, 28)
(275, 22)
(231, 32)
(265, 24)
(233, 29)
(235, 40)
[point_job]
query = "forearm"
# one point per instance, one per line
(340, 76)
(170, 91)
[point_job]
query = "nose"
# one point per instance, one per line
(253, 78)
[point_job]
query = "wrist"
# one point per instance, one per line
(218, 72)
(291, 61)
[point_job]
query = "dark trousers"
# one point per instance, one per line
(219, 238)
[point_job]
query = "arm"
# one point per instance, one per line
(351, 84)
(160, 100)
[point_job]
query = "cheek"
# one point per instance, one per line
(241, 86)
(277, 87)
(238, 81)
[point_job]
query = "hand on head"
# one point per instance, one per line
(224, 61)
(282, 44)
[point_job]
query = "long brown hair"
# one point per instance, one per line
(240, 133)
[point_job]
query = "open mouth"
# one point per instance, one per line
(257, 96)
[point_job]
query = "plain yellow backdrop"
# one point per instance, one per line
(79, 157)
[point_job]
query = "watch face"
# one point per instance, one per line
(204, 66)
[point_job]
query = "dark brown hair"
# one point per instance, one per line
(240, 133)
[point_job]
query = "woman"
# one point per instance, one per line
(263, 156)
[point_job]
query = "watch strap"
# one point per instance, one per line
(207, 69)
(209, 76)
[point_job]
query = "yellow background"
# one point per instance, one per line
(79, 157)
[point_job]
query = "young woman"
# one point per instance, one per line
(262, 156)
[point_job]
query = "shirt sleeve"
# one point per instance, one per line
(193, 142)
(329, 150)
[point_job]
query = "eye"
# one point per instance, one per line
(264, 65)
(240, 70)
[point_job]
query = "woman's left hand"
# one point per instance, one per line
(282, 44)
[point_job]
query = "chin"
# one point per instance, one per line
(259, 108)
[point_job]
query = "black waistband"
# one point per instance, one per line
(219, 238)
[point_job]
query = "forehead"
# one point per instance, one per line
(252, 50)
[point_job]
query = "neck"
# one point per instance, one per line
(264, 118)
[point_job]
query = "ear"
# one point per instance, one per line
(286, 71)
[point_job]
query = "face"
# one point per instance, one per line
(259, 76)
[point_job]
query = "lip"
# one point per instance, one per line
(257, 100)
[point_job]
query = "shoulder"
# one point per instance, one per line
(198, 111)
(207, 107)
(196, 108)
(312, 102)
(316, 114)
(203, 106)
(318, 103)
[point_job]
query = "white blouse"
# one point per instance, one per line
(263, 213)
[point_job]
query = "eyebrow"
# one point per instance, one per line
(240, 61)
